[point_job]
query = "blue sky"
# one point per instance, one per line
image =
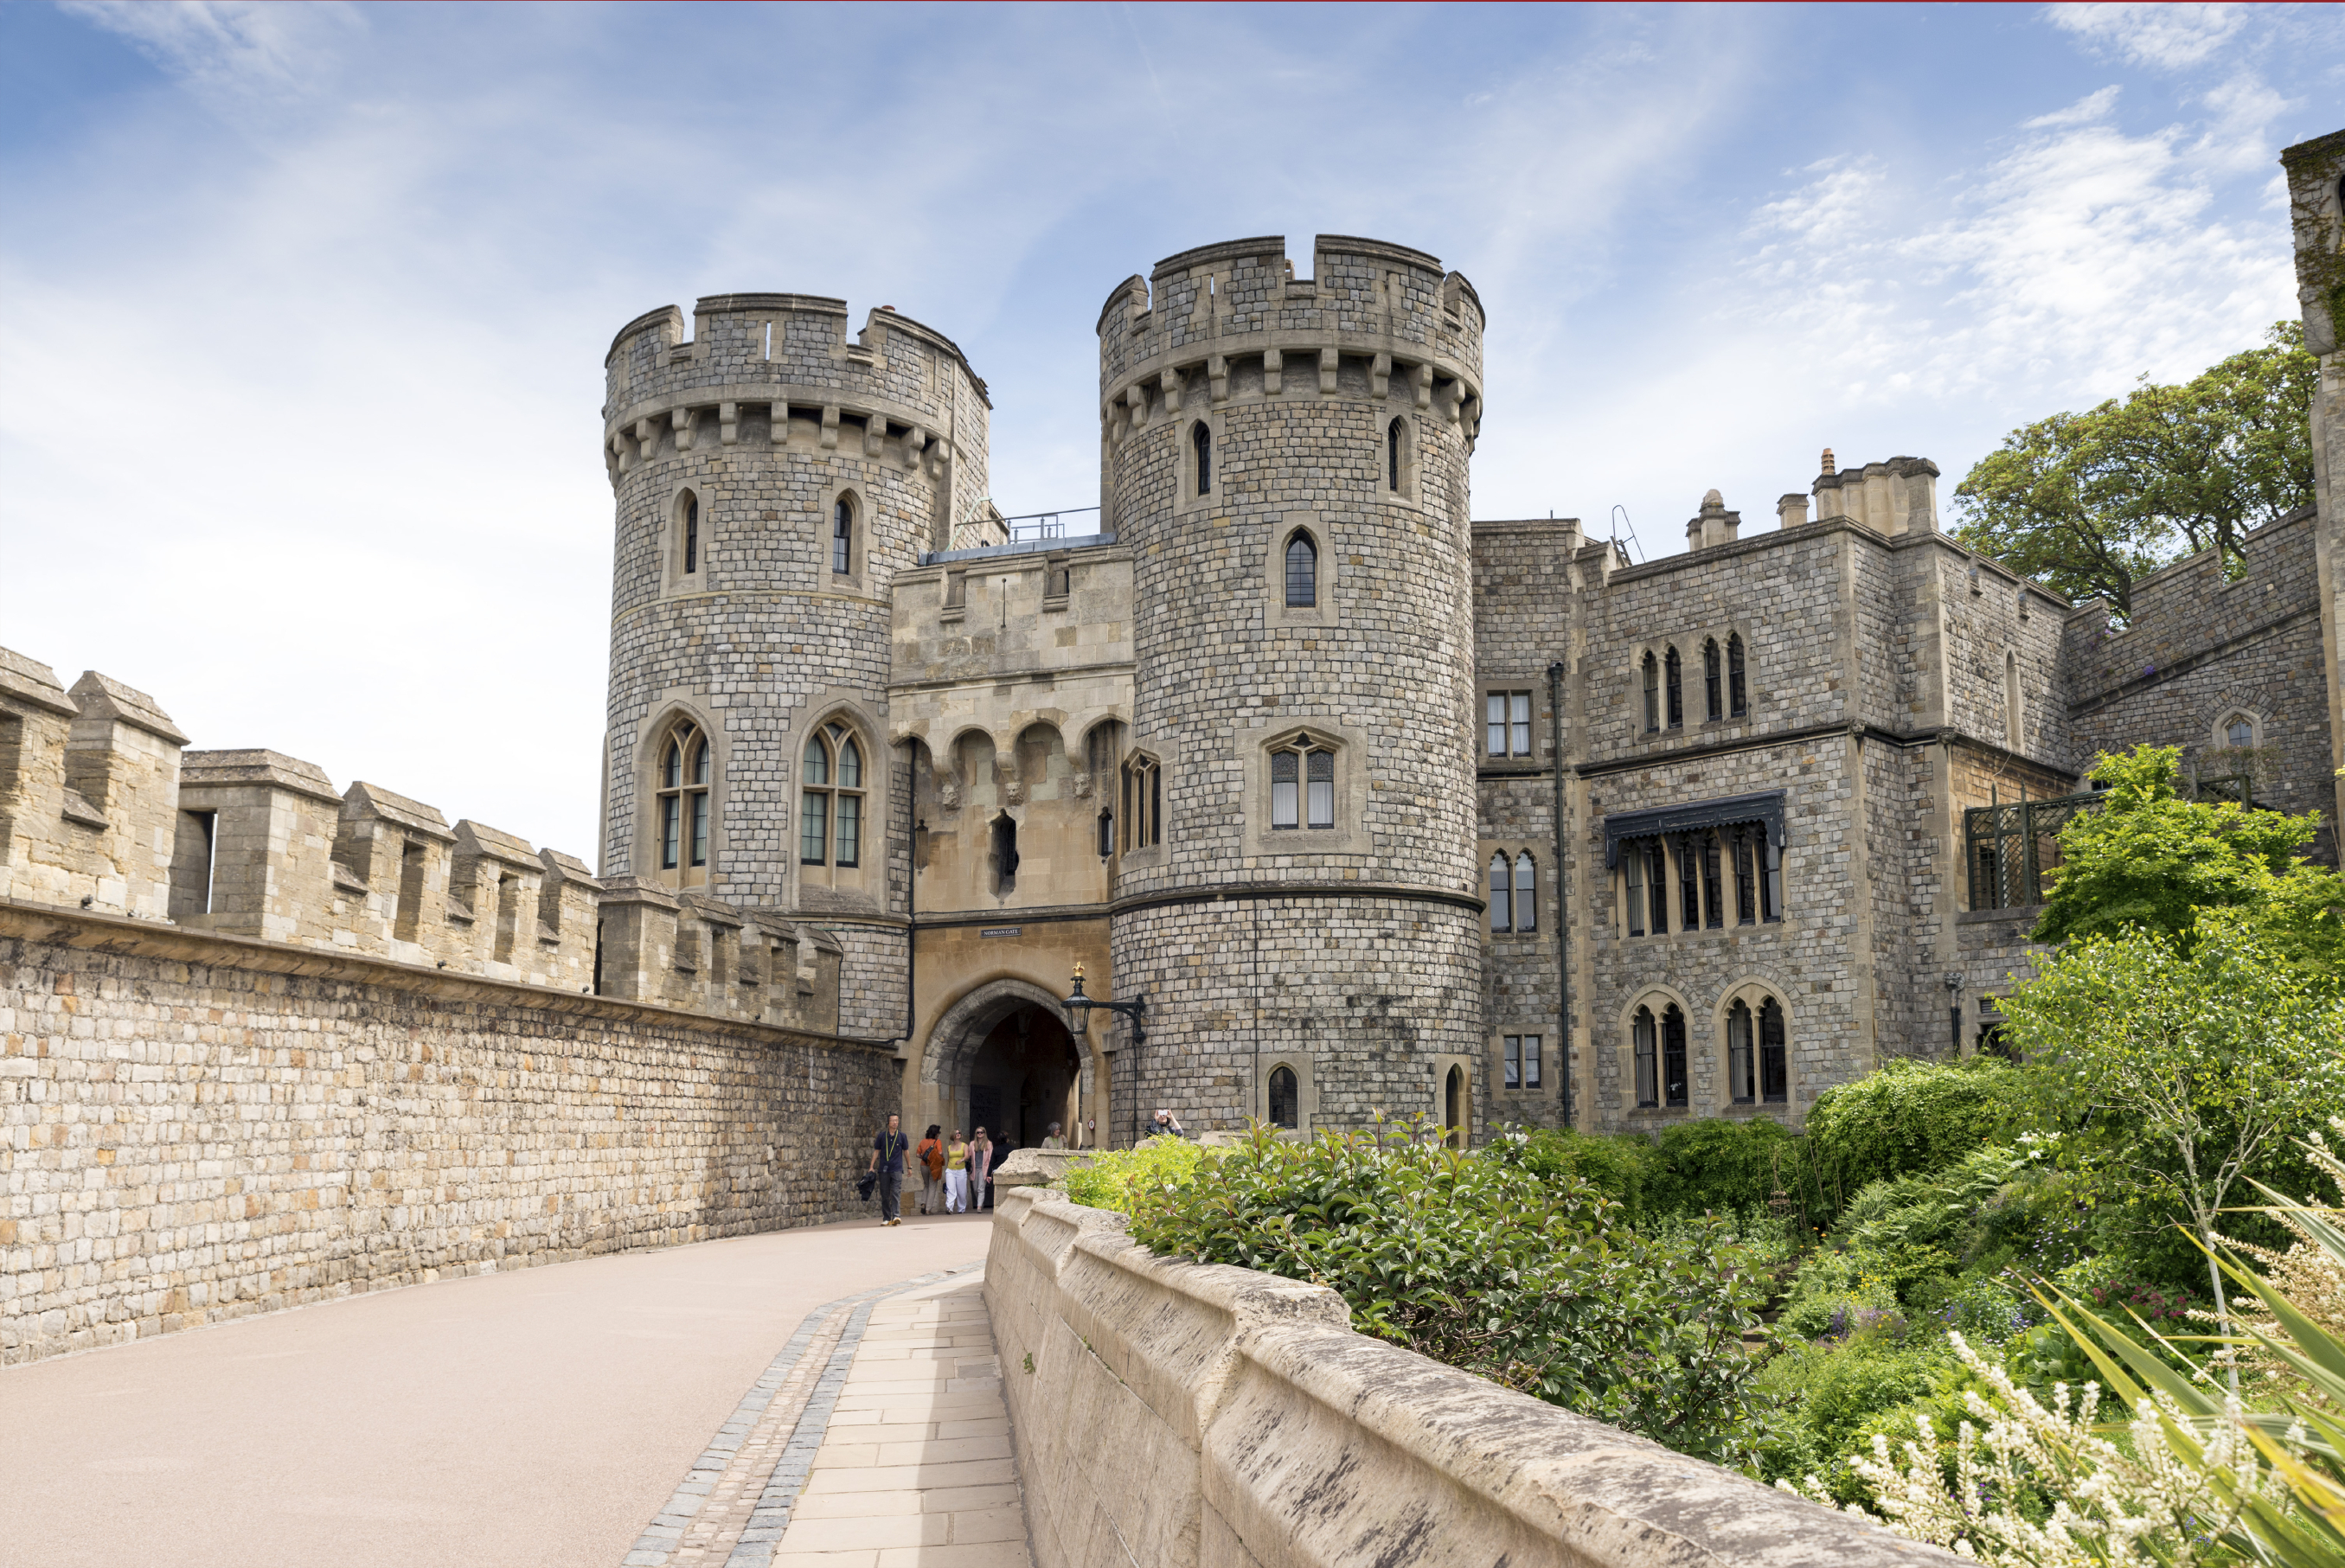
(301, 372)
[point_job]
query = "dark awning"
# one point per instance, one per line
(1766, 806)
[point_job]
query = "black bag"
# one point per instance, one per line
(865, 1183)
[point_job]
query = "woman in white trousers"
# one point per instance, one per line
(955, 1175)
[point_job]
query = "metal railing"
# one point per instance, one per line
(1042, 524)
(2008, 848)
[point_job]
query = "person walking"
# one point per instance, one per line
(981, 1167)
(955, 1175)
(931, 1153)
(887, 1151)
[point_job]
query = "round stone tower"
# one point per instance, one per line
(1296, 895)
(772, 474)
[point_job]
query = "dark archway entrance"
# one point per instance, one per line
(1021, 1077)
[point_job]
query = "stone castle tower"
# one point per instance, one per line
(772, 475)
(1285, 460)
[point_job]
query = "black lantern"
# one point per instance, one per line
(1079, 1007)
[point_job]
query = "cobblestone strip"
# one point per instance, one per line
(702, 1521)
(772, 1515)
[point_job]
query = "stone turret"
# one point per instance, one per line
(1285, 459)
(772, 474)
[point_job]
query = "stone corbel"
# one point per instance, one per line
(1449, 401)
(647, 438)
(1217, 375)
(623, 449)
(1380, 375)
(875, 434)
(1171, 382)
(1137, 396)
(777, 431)
(1421, 378)
(830, 427)
(728, 423)
(1328, 360)
(915, 440)
(1273, 364)
(682, 421)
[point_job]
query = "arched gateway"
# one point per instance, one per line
(1001, 1057)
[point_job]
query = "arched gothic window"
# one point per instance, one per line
(1201, 441)
(1738, 699)
(842, 536)
(1144, 801)
(1713, 681)
(1285, 1104)
(1302, 784)
(684, 767)
(1392, 456)
(1741, 1072)
(1652, 694)
(1642, 1040)
(1302, 572)
(691, 533)
(830, 808)
(2240, 731)
(1774, 1063)
(1525, 892)
(1673, 679)
(1502, 898)
(1674, 1093)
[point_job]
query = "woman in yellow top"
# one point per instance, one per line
(955, 1175)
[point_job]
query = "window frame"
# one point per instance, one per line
(1306, 750)
(842, 534)
(681, 816)
(1674, 1051)
(1644, 1054)
(1303, 537)
(1499, 878)
(1713, 682)
(1775, 1084)
(1738, 688)
(1673, 687)
(1741, 1057)
(1201, 459)
(1515, 724)
(684, 538)
(838, 809)
(1649, 668)
(1140, 800)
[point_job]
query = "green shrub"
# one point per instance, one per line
(1482, 1262)
(1908, 1118)
(1834, 1396)
(1714, 1165)
(1114, 1176)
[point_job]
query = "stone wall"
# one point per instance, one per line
(1169, 1414)
(2203, 647)
(196, 1126)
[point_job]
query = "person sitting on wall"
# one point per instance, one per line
(931, 1153)
(1051, 1139)
(1167, 1125)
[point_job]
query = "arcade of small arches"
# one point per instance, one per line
(1725, 683)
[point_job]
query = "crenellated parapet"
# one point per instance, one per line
(102, 809)
(768, 370)
(701, 954)
(1231, 322)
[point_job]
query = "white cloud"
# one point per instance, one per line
(2168, 36)
(233, 46)
(2083, 112)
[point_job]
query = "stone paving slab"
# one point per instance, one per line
(915, 1470)
(877, 1438)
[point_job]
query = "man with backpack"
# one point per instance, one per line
(887, 1151)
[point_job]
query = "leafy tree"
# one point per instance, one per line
(2088, 502)
(2148, 860)
(2181, 1068)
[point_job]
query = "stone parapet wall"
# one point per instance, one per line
(196, 1126)
(1169, 1413)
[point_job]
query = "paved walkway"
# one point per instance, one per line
(541, 1417)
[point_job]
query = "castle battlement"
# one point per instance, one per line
(102, 809)
(1232, 321)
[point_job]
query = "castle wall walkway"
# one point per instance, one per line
(543, 1418)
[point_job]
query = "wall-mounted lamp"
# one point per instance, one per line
(1079, 1009)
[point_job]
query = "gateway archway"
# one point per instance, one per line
(1002, 1059)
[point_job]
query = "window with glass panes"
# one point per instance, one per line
(1506, 723)
(830, 799)
(1301, 785)
(684, 767)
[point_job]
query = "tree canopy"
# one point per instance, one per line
(2086, 503)
(2147, 860)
